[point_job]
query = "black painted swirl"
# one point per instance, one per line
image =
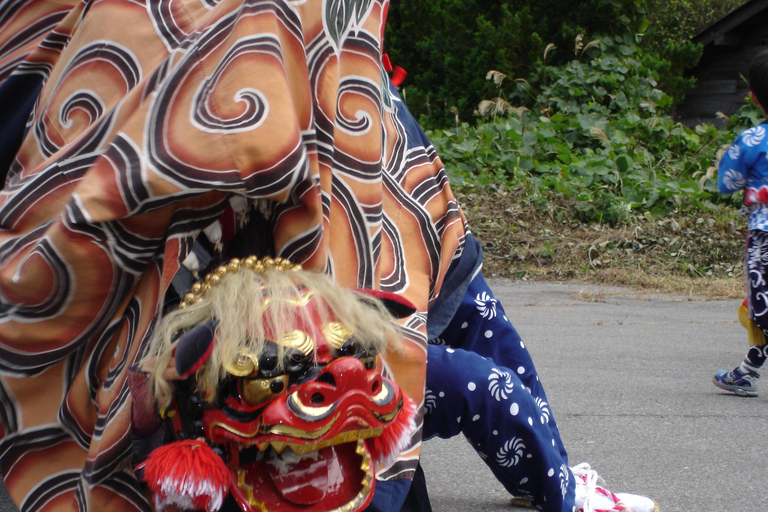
(254, 104)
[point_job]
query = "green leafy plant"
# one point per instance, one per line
(595, 133)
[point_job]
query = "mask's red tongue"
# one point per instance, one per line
(327, 480)
(305, 481)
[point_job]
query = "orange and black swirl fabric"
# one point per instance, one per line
(136, 122)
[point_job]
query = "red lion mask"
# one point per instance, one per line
(273, 393)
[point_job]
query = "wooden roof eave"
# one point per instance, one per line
(730, 21)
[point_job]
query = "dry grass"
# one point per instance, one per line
(590, 296)
(710, 288)
(698, 258)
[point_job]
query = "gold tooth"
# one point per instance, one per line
(302, 449)
(278, 446)
(296, 448)
(262, 447)
(365, 465)
(360, 448)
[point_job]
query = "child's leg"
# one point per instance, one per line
(481, 382)
(757, 286)
(742, 379)
(480, 325)
(507, 426)
(753, 361)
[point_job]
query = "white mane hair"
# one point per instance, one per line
(237, 304)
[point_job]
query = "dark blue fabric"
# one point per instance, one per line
(17, 95)
(455, 284)
(418, 498)
(192, 346)
(389, 496)
(756, 270)
(481, 382)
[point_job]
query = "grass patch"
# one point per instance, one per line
(696, 257)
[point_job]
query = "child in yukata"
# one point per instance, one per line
(744, 166)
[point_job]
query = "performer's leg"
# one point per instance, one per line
(757, 267)
(480, 325)
(389, 496)
(505, 423)
(404, 495)
(742, 379)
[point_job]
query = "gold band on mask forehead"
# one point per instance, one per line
(244, 364)
(336, 334)
(298, 340)
(247, 363)
(233, 266)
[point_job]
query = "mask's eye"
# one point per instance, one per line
(295, 361)
(353, 348)
(259, 391)
(268, 359)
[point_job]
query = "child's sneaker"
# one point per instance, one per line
(591, 497)
(737, 382)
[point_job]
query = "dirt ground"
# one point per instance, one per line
(699, 255)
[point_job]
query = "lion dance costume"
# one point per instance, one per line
(276, 399)
(134, 131)
(139, 128)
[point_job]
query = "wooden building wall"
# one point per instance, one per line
(721, 74)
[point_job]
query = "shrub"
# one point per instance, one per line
(448, 45)
(595, 133)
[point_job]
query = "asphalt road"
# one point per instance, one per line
(628, 378)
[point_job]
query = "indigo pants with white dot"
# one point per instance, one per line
(481, 382)
(756, 270)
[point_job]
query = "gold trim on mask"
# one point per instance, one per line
(284, 430)
(252, 501)
(245, 364)
(258, 391)
(386, 418)
(298, 340)
(336, 334)
(300, 300)
(233, 266)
